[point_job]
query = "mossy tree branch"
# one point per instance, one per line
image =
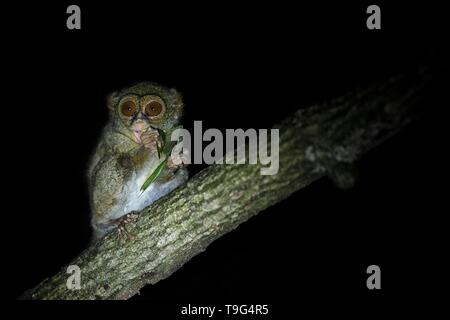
(314, 142)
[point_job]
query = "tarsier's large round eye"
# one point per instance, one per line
(128, 108)
(153, 108)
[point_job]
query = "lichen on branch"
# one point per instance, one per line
(321, 140)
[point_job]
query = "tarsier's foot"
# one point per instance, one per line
(122, 233)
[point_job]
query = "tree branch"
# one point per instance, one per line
(314, 142)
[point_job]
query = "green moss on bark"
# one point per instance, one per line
(172, 230)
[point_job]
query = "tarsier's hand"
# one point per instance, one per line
(177, 160)
(150, 139)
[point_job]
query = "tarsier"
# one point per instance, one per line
(128, 152)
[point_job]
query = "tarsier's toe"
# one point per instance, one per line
(123, 235)
(130, 217)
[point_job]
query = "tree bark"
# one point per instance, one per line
(321, 140)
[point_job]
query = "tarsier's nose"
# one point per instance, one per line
(140, 117)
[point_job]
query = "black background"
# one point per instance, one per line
(237, 66)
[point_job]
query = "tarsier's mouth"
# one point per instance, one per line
(139, 129)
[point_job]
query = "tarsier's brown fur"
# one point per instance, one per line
(127, 153)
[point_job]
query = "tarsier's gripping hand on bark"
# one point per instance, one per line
(128, 152)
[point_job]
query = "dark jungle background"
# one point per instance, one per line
(237, 66)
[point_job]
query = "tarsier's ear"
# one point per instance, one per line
(112, 100)
(177, 102)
